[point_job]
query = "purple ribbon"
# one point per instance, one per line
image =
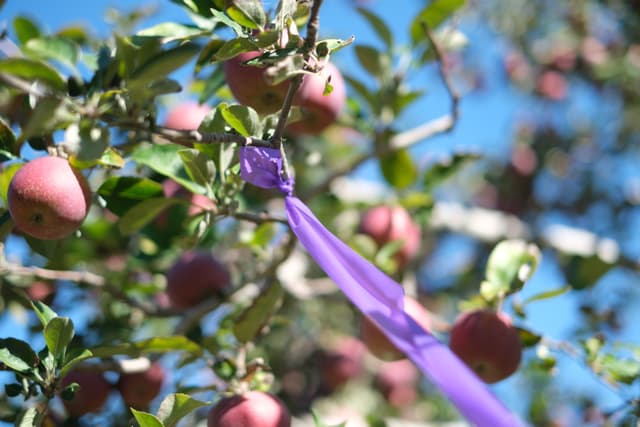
(378, 297)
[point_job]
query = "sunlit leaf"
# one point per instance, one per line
(255, 317)
(151, 345)
(33, 70)
(175, 406)
(25, 29)
(145, 419)
(244, 120)
(58, 334)
(163, 63)
(379, 26)
(433, 15)
(123, 192)
(399, 169)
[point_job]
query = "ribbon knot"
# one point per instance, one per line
(377, 296)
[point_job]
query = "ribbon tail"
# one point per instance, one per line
(382, 299)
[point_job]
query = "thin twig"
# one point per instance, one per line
(296, 82)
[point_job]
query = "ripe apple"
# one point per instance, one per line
(488, 343)
(319, 110)
(139, 389)
(386, 224)
(41, 291)
(186, 116)
(552, 85)
(252, 409)
(249, 87)
(397, 381)
(195, 277)
(342, 363)
(48, 199)
(378, 344)
(93, 392)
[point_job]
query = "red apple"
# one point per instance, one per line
(186, 116)
(397, 381)
(92, 395)
(386, 224)
(249, 86)
(488, 343)
(252, 409)
(319, 110)
(377, 342)
(552, 85)
(342, 363)
(139, 389)
(41, 291)
(48, 199)
(195, 277)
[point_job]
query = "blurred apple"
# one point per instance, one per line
(342, 363)
(139, 389)
(92, 395)
(195, 277)
(378, 344)
(186, 116)
(251, 409)
(387, 224)
(488, 343)
(552, 85)
(397, 381)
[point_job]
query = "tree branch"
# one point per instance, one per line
(408, 138)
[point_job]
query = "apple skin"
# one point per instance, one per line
(139, 389)
(186, 116)
(92, 395)
(488, 343)
(48, 199)
(319, 110)
(552, 85)
(342, 363)
(252, 409)
(249, 87)
(41, 291)
(397, 382)
(195, 277)
(385, 224)
(378, 344)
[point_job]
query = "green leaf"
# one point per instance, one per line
(29, 418)
(163, 63)
(329, 46)
(510, 265)
(433, 15)
(143, 213)
(446, 168)
(7, 138)
(86, 142)
(377, 63)
(6, 175)
(547, 295)
(363, 91)
(111, 158)
(17, 355)
(165, 160)
(145, 419)
(53, 48)
(398, 169)
(200, 168)
(58, 334)
(25, 29)
(625, 371)
(223, 18)
(245, 120)
(72, 358)
(378, 25)
(33, 70)
(319, 423)
(175, 406)
(255, 317)
(528, 338)
(248, 13)
(171, 31)
(50, 114)
(232, 48)
(44, 313)
(151, 345)
(121, 193)
(584, 272)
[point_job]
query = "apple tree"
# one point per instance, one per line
(146, 281)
